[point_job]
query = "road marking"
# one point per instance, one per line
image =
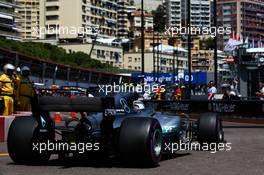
(4, 154)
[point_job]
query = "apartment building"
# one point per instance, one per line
(202, 60)
(125, 8)
(8, 28)
(132, 61)
(173, 9)
(245, 17)
(28, 20)
(177, 13)
(177, 41)
(149, 5)
(79, 20)
(104, 14)
(135, 21)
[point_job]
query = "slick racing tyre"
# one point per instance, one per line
(210, 129)
(140, 141)
(22, 134)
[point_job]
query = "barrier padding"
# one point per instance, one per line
(6, 121)
(2, 129)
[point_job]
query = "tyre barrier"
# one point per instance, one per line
(6, 121)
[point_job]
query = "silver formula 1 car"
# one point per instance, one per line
(121, 125)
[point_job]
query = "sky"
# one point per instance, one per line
(149, 4)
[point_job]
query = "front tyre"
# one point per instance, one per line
(210, 129)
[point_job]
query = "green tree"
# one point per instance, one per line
(207, 44)
(159, 18)
(56, 54)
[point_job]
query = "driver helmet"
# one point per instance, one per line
(138, 105)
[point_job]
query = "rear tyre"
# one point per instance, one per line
(141, 141)
(22, 134)
(210, 129)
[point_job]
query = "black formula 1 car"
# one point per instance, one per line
(119, 126)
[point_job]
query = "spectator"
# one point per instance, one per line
(177, 93)
(211, 90)
(260, 93)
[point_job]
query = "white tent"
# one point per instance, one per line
(169, 49)
(105, 41)
(255, 50)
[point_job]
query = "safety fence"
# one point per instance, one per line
(44, 70)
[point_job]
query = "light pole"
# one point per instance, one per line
(175, 72)
(158, 55)
(154, 59)
(142, 39)
(173, 67)
(177, 61)
(215, 46)
(189, 49)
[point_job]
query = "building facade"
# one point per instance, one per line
(135, 21)
(78, 20)
(8, 28)
(125, 8)
(164, 64)
(177, 13)
(173, 9)
(28, 20)
(202, 60)
(245, 17)
(104, 14)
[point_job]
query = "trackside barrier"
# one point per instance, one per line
(246, 107)
(6, 121)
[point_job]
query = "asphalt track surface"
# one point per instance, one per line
(245, 158)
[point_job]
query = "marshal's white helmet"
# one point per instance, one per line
(9, 67)
(18, 69)
(25, 68)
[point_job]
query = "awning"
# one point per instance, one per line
(105, 41)
(6, 17)
(6, 5)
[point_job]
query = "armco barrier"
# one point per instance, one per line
(6, 121)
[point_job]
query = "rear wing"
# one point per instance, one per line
(77, 104)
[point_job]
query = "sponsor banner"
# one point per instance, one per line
(183, 78)
(240, 107)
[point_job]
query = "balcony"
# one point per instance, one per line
(200, 65)
(52, 3)
(52, 22)
(52, 13)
